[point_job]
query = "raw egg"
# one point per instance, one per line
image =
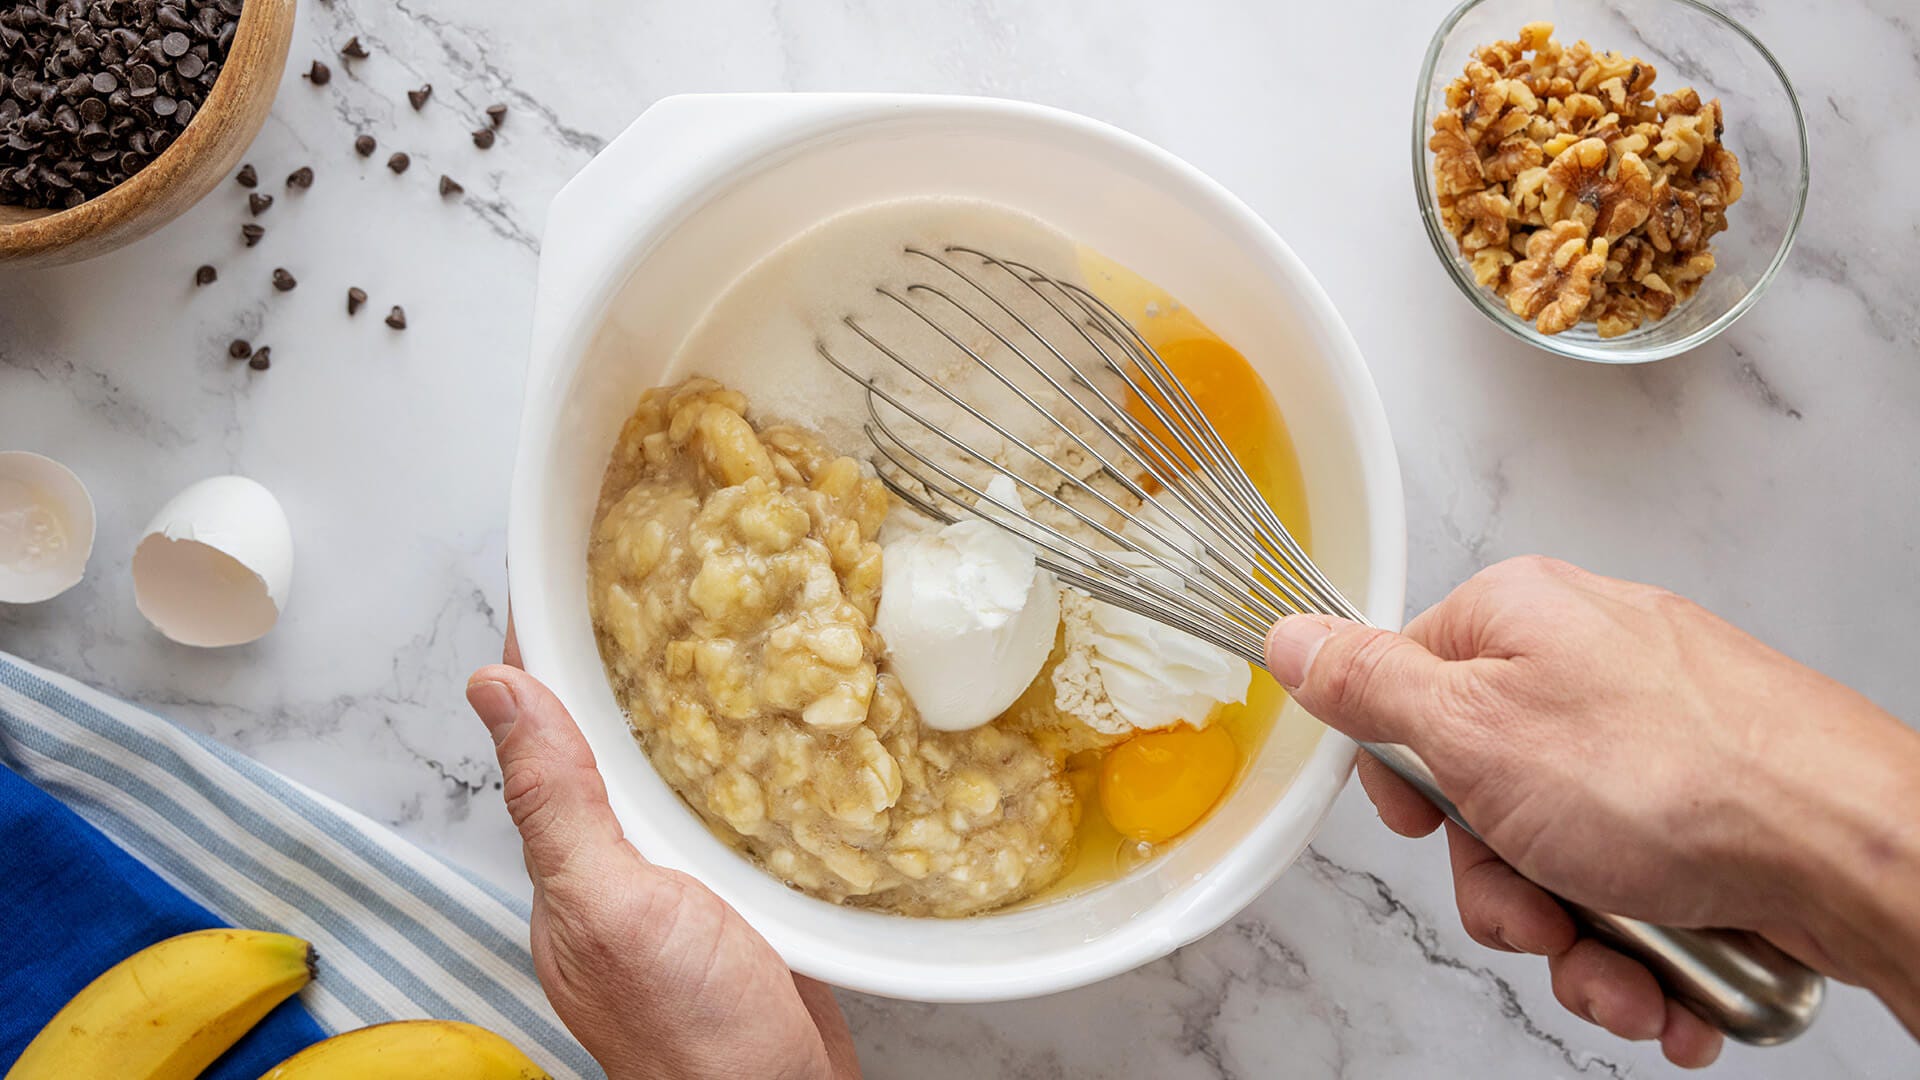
(1221, 382)
(1157, 784)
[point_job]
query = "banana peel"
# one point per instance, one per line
(167, 1011)
(411, 1050)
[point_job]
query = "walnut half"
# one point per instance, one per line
(1610, 202)
(1555, 282)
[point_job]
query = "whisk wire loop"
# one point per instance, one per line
(1221, 579)
(1157, 461)
(1014, 518)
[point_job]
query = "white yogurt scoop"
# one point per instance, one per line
(968, 616)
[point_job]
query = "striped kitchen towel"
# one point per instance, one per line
(399, 933)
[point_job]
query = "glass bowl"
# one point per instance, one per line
(1689, 43)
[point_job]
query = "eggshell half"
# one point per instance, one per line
(214, 566)
(46, 528)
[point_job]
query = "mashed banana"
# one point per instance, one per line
(733, 579)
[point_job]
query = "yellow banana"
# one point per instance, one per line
(410, 1050)
(167, 1011)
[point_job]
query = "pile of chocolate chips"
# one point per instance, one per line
(93, 90)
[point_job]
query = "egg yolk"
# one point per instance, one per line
(1156, 785)
(1235, 400)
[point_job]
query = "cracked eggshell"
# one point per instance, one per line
(214, 566)
(46, 528)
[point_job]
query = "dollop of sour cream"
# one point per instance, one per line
(1123, 672)
(968, 616)
(1157, 676)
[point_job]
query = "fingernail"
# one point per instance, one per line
(1642, 1032)
(497, 706)
(1291, 647)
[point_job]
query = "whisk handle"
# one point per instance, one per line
(1736, 981)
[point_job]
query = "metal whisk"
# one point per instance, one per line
(1044, 383)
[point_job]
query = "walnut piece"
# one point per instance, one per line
(1455, 162)
(1575, 191)
(1609, 202)
(1557, 279)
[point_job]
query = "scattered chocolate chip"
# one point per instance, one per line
(418, 98)
(397, 318)
(252, 233)
(301, 177)
(353, 50)
(207, 274)
(398, 163)
(239, 350)
(283, 280)
(258, 203)
(483, 138)
(355, 297)
(364, 145)
(496, 114)
(246, 177)
(449, 186)
(262, 359)
(319, 74)
(175, 45)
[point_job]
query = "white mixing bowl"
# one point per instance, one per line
(695, 191)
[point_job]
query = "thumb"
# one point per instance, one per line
(1373, 685)
(553, 789)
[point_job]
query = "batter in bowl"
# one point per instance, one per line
(984, 750)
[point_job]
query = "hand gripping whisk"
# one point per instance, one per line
(995, 368)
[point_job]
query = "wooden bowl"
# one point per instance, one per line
(203, 155)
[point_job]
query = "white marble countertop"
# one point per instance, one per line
(1768, 474)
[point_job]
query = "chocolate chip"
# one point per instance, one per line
(301, 177)
(397, 318)
(353, 50)
(239, 350)
(355, 297)
(283, 280)
(418, 98)
(252, 233)
(449, 186)
(398, 163)
(319, 74)
(364, 145)
(205, 275)
(496, 114)
(483, 138)
(262, 359)
(258, 203)
(246, 177)
(91, 91)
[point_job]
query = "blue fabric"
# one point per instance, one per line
(399, 934)
(72, 905)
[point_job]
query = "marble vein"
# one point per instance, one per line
(1370, 889)
(392, 452)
